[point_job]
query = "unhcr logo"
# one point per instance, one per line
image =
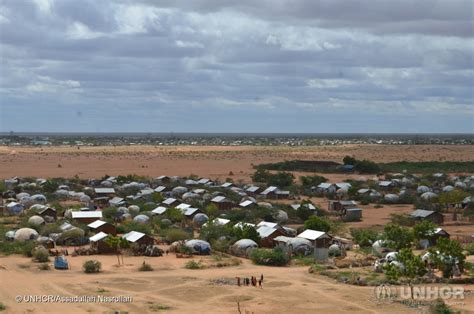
(384, 294)
(387, 294)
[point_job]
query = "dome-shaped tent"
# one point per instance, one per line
(179, 190)
(391, 198)
(300, 246)
(190, 196)
(133, 209)
(36, 220)
(10, 235)
(281, 216)
(448, 188)
(199, 246)
(422, 189)
(39, 198)
(334, 250)
(429, 196)
(142, 219)
(243, 246)
(200, 219)
(25, 234)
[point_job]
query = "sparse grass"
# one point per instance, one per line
(101, 290)
(159, 307)
(302, 260)
(194, 265)
(145, 267)
(44, 266)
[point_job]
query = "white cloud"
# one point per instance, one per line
(79, 30)
(44, 6)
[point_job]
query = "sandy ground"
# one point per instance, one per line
(205, 161)
(285, 290)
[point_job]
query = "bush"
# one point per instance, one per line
(41, 255)
(366, 166)
(317, 223)
(92, 266)
(470, 249)
(2, 307)
(364, 237)
(440, 308)
(44, 266)
(145, 267)
(271, 257)
(173, 235)
(194, 265)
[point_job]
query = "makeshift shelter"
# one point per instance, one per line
(36, 220)
(243, 247)
(98, 242)
(198, 246)
(320, 242)
(102, 226)
(25, 234)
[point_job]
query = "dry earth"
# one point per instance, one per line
(205, 161)
(285, 290)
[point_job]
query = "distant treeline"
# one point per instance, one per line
(334, 167)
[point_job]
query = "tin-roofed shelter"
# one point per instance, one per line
(86, 217)
(102, 226)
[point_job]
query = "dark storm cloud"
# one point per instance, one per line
(237, 66)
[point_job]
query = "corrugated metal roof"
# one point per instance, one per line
(104, 190)
(188, 211)
(96, 224)
(246, 203)
(161, 188)
(265, 231)
(312, 234)
(169, 201)
(133, 236)
(97, 237)
(183, 206)
(269, 189)
(159, 210)
(422, 213)
(218, 199)
(267, 224)
(90, 214)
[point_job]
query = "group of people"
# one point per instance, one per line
(250, 281)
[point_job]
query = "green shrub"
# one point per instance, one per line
(173, 235)
(440, 308)
(145, 267)
(364, 237)
(91, 266)
(470, 249)
(271, 257)
(183, 249)
(2, 307)
(41, 255)
(317, 223)
(17, 247)
(194, 265)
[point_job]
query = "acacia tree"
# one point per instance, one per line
(454, 197)
(397, 237)
(117, 244)
(424, 229)
(410, 268)
(447, 254)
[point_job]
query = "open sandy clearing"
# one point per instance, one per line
(286, 290)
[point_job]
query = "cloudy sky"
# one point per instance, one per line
(237, 66)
